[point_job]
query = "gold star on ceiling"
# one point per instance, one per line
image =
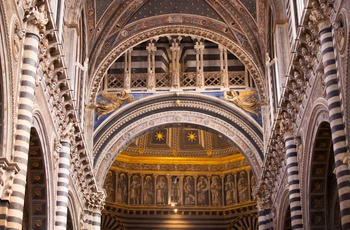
(159, 136)
(191, 137)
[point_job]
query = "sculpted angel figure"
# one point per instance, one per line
(245, 100)
(116, 99)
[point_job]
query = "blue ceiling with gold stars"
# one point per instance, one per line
(251, 7)
(101, 6)
(160, 7)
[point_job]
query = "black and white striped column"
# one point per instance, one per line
(23, 126)
(268, 220)
(262, 219)
(88, 218)
(293, 182)
(62, 186)
(336, 122)
(96, 220)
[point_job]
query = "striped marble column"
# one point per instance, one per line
(62, 186)
(262, 219)
(96, 220)
(23, 126)
(268, 220)
(336, 121)
(88, 218)
(293, 182)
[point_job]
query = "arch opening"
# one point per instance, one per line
(181, 170)
(125, 136)
(36, 196)
(323, 198)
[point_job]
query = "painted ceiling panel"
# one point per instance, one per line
(251, 6)
(160, 7)
(101, 6)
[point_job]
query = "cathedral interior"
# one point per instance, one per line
(174, 114)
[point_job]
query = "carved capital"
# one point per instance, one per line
(340, 32)
(96, 200)
(320, 12)
(36, 18)
(67, 129)
(8, 170)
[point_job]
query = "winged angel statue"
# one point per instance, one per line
(245, 99)
(116, 99)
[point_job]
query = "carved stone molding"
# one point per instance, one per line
(53, 79)
(17, 35)
(306, 65)
(8, 170)
(341, 32)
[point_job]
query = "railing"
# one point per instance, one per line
(188, 81)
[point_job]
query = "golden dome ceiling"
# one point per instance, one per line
(181, 149)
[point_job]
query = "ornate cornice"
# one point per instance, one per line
(307, 64)
(53, 78)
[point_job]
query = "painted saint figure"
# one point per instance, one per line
(230, 190)
(243, 188)
(109, 186)
(122, 194)
(161, 189)
(135, 188)
(202, 188)
(148, 191)
(215, 191)
(188, 190)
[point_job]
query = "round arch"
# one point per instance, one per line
(73, 210)
(283, 208)
(132, 40)
(319, 116)
(37, 202)
(38, 125)
(147, 114)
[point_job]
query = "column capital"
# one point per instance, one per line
(96, 201)
(199, 46)
(320, 13)
(36, 19)
(151, 48)
(67, 129)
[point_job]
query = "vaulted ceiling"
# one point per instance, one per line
(115, 26)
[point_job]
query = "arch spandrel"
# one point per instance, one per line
(122, 128)
(133, 40)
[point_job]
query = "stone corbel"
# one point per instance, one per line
(8, 170)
